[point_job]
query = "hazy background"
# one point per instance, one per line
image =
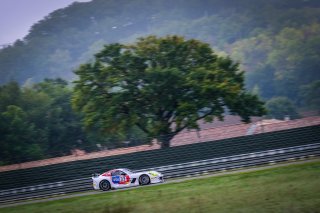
(17, 16)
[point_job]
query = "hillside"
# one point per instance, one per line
(277, 42)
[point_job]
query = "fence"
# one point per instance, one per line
(159, 157)
(186, 137)
(170, 171)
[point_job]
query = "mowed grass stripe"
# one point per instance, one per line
(294, 188)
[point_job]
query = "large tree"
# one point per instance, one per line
(161, 85)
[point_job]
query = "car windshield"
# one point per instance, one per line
(127, 170)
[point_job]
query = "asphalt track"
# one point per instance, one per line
(169, 181)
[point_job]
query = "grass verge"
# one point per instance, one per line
(294, 188)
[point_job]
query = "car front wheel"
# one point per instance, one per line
(105, 185)
(144, 180)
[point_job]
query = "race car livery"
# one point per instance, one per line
(121, 178)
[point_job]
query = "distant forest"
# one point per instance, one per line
(276, 42)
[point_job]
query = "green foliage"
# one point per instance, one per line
(10, 94)
(276, 42)
(19, 139)
(282, 65)
(309, 95)
(161, 85)
(280, 108)
(36, 121)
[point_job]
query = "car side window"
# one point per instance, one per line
(116, 173)
(123, 173)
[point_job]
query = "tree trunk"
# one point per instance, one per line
(165, 140)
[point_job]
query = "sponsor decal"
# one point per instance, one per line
(121, 179)
(116, 179)
(153, 173)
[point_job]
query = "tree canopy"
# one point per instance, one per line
(161, 85)
(37, 121)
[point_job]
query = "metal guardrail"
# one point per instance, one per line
(169, 171)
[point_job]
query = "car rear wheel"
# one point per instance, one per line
(144, 180)
(105, 185)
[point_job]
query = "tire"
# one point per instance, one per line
(144, 180)
(104, 185)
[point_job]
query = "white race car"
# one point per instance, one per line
(121, 178)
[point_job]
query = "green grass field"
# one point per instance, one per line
(294, 188)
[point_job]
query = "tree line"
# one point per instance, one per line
(152, 89)
(37, 122)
